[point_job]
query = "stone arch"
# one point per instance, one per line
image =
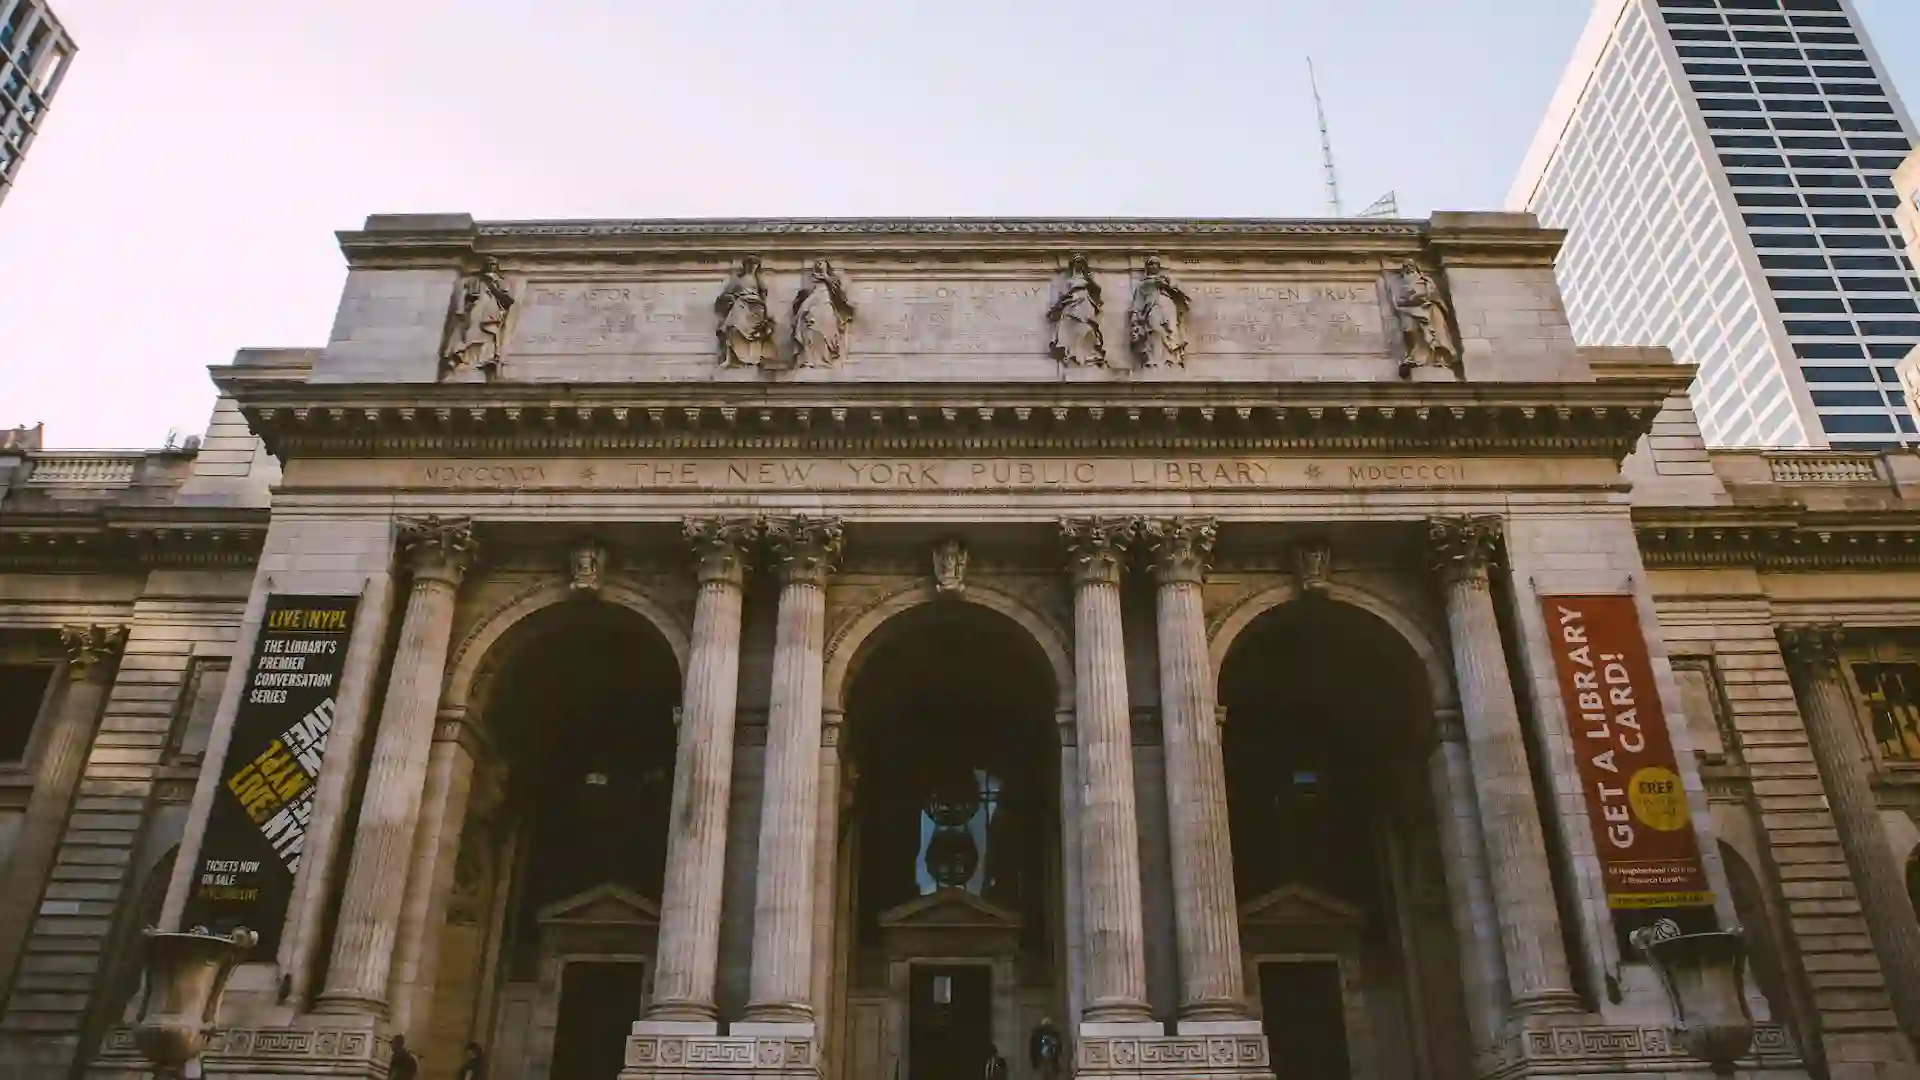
(852, 643)
(1422, 639)
(474, 651)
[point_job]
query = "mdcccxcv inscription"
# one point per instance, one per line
(947, 474)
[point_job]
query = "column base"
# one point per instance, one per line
(765, 1049)
(314, 1047)
(1139, 1050)
(1585, 1046)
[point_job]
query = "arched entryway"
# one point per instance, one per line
(950, 933)
(1345, 924)
(550, 932)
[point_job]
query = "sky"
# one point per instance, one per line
(182, 198)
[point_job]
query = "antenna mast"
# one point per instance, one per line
(1326, 145)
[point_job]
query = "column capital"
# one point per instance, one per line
(91, 646)
(1097, 546)
(1179, 547)
(720, 546)
(1812, 647)
(807, 550)
(437, 548)
(1463, 547)
(457, 725)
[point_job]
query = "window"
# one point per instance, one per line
(1776, 221)
(1795, 105)
(1853, 89)
(1891, 693)
(1829, 39)
(1846, 221)
(1827, 398)
(1863, 106)
(1890, 328)
(1785, 88)
(1766, 198)
(1793, 262)
(1830, 350)
(1822, 200)
(1784, 240)
(1691, 18)
(1709, 52)
(1887, 163)
(1885, 305)
(1819, 328)
(1811, 142)
(1764, 35)
(1811, 305)
(1802, 284)
(1874, 284)
(1820, 161)
(1883, 351)
(1856, 240)
(1698, 35)
(1868, 142)
(1837, 54)
(1803, 123)
(23, 687)
(1750, 179)
(1856, 423)
(1736, 142)
(1726, 123)
(1865, 123)
(1713, 86)
(199, 700)
(1827, 180)
(1865, 262)
(1720, 69)
(1753, 161)
(1755, 52)
(1730, 104)
(1837, 374)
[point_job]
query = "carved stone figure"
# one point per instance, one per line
(745, 330)
(477, 322)
(1075, 316)
(821, 315)
(1426, 326)
(950, 567)
(1157, 322)
(586, 566)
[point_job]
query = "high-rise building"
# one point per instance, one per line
(1724, 170)
(34, 50)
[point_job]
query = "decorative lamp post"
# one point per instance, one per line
(186, 975)
(1703, 974)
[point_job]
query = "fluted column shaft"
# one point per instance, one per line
(1109, 827)
(1840, 751)
(436, 848)
(56, 776)
(1538, 978)
(1463, 854)
(689, 944)
(438, 552)
(1206, 915)
(780, 980)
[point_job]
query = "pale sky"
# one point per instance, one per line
(182, 199)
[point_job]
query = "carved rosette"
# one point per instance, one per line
(1812, 647)
(91, 647)
(1097, 547)
(720, 546)
(807, 550)
(437, 548)
(1464, 548)
(1179, 547)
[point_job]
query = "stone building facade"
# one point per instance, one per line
(836, 648)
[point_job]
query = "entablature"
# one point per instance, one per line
(160, 536)
(1786, 538)
(1601, 418)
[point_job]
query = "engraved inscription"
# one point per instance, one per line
(1287, 317)
(558, 318)
(952, 316)
(949, 474)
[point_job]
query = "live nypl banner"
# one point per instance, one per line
(258, 824)
(1642, 827)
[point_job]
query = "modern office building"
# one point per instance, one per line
(1724, 171)
(34, 50)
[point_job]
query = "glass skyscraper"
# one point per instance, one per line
(1724, 169)
(34, 50)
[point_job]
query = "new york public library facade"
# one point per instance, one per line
(829, 648)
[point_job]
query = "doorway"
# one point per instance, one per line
(1301, 1011)
(949, 1023)
(599, 1001)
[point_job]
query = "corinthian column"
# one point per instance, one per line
(1833, 730)
(1206, 916)
(780, 982)
(1538, 979)
(56, 776)
(1109, 828)
(437, 551)
(702, 779)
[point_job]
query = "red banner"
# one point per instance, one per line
(1642, 829)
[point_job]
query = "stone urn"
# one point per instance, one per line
(186, 975)
(1703, 975)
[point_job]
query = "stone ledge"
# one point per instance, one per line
(1598, 1048)
(257, 1052)
(1218, 1057)
(684, 1057)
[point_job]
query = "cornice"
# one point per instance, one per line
(301, 419)
(221, 537)
(1776, 539)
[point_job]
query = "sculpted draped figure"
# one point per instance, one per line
(1075, 315)
(1425, 324)
(821, 315)
(477, 322)
(1157, 323)
(745, 330)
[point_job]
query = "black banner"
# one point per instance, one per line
(257, 826)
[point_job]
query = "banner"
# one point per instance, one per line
(1642, 828)
(257, 826)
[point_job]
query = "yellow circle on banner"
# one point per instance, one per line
(1657, 799)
